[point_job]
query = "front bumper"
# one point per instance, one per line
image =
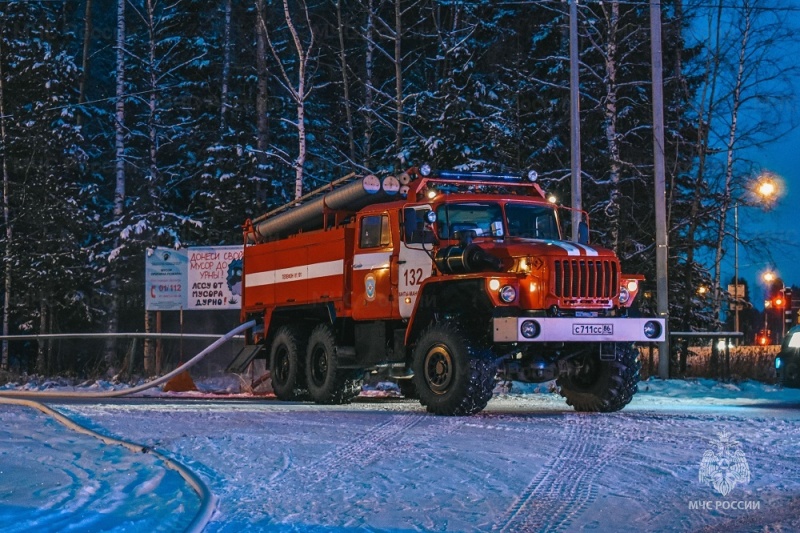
(570, 329)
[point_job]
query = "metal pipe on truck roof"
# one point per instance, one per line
(311, 215)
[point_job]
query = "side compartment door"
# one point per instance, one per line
(372, 289)
(414, 263)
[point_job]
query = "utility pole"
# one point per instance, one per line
(736, 296)
(574, 118)
(660, 185)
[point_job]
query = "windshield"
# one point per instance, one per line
(484, 219)
(532, 221)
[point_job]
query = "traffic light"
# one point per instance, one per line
(778, 302)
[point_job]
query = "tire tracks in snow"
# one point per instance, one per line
(376, 442)
(564, 486)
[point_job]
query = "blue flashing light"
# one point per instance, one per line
(778, 363)
(480, 176)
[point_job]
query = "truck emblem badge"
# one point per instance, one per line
(724, 467)
(369, 286)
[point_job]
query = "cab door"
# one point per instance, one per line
(372, 288)
(414, 263)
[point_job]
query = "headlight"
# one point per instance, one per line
(778, 363)
(425, 170)
(632, 285)
(508, 294)
(530, 329)
(624, 295)
(652, 329)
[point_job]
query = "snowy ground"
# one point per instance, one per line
(527, 463)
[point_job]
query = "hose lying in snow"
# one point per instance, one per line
(144, 386)
(208, 502)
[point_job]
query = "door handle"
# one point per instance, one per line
(357, 266)
(401, 262)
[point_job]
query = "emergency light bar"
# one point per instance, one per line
(483, 176)
(453, 179)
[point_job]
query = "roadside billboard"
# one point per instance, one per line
(196, 278)
(165, 279)
(215, 277)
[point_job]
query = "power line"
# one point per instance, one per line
(785, 9)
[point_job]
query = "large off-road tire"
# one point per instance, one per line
(791, 373)
(286, 362)
(452, 376)
(603, 386)
(327, 383)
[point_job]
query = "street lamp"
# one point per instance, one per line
(765, 189)
(780, 303)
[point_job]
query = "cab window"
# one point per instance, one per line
(375, 232)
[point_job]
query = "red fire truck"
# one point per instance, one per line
(444, 281)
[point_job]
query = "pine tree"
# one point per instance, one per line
(51, 215)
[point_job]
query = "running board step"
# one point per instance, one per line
(243, 358)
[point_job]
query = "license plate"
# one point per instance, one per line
(592, 329)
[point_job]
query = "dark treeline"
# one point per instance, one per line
(131, 124)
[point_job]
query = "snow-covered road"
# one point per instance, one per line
(527, 463)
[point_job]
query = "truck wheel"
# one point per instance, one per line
(791, 375)
(603, 386)
(451, 376)
(327, 383)
(285, 362)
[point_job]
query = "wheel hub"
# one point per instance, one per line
(438, 369)
(281, 370)
(319, 365)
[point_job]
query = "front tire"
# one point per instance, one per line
(451, 376)
(603, 386)
(327, 383)
(288, 347)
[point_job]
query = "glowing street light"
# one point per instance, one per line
(779, 303)
(766, 189)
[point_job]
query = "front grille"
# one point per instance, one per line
(585, 278)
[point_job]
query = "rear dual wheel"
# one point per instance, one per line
(285, 362)
(327, 383)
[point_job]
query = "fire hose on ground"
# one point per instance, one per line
(208, 502)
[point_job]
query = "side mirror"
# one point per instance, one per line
(409, 223)
(583, 232)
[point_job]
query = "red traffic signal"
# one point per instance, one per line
(778, 302)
